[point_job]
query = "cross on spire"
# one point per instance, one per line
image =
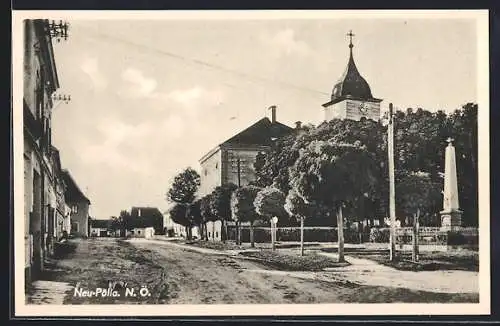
(350, 34)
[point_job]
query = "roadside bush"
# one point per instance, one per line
(287, 234)
(456, 238)
(378, 235)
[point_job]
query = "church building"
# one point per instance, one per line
(351, 96)
(232, 161)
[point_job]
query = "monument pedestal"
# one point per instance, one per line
(451, 220)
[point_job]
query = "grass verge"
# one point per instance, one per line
(464, 260)
(288, 262)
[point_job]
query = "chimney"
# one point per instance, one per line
(298, 125)
(273, 113)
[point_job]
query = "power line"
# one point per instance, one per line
(203, 63)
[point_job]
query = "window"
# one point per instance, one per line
(217, 165)
(216, 234)
(209, 234)
(138, 231)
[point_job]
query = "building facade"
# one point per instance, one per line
(100, 228)
(351, 96)
(233, 160)
(79, 206)
(40, 82)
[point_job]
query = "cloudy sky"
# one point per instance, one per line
(149, 98)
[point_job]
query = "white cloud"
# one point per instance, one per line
(284, 43)
(90, 66)
(142, 86)
(192, 99)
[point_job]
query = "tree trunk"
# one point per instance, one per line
(302, 236)
(272, 237)
(252, 241)
(340, 232)
(205, 232)
(414, 255)
(200, 230)
(238, 235)
(186, 230)
(223, 231)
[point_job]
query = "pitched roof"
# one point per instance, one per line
(73, 192)
(143, 217)
(145, 211)
(260, 133)
(102, 224)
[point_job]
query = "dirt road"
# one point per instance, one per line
(175, 275)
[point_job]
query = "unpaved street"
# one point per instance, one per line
(176, 275)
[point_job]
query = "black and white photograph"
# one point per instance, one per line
(251, 162)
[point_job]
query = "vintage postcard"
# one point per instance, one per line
(239, 163)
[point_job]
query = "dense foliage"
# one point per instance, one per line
(420, 141)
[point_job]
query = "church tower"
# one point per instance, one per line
(351, 96)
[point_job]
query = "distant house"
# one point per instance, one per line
(175, 229)
(141, 232)
(147, 217)
(79, 206)
(100, 228)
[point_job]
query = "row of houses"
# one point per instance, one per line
(54, 205)
(143, 222)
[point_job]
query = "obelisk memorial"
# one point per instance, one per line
(451, 215)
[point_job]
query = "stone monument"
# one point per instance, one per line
(451, 215)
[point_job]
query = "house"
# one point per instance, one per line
(233, 160)
(100, 228)
(79, 206)
(62, 220)
(176, 230)
(149, 216)
(40, 83)
(141, 232)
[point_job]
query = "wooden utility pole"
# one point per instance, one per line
(416, 226)
(392, 196)
(340, 233)
(238, 224)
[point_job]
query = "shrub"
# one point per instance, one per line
(456, 238)
(380, 235)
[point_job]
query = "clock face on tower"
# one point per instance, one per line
(363, 107)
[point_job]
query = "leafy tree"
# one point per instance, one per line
(297, 207)
(194, 215)
(178, 213)
(206, 214)
(243, 209)
(127, 222)
(220, 204)
(115, 225)
(183, 191)
(335, 174)
(269, 202)
(417, 194)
